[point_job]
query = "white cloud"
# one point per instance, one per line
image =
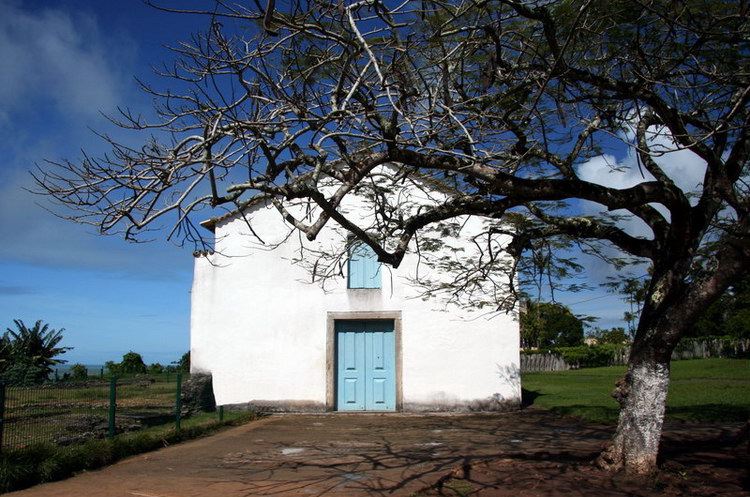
(684, 168)
(49, 57)
(58, 69)
(607, 171)
(34, 236)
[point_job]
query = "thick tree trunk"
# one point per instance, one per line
(642, 393)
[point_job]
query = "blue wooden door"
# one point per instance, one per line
(366, 371)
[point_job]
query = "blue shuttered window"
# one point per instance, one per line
(364, 268)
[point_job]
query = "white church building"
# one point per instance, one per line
(365, 340)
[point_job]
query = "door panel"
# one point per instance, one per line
(366, 372)
(351, 360)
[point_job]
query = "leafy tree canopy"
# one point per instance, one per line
(728, 316)
(27, 354)
(79, 372)
(549, 324)
(132, 363)
(183, 364)
(616, 335)
(155, 368)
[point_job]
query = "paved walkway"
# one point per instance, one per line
(330, 455)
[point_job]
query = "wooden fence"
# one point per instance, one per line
(716, 347)
(688, 349)
(543, 362)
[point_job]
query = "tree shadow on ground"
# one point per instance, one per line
(528, 397)
(583, 412)
(712, 412)
(409, 455)
(705, 413)
(697, 459)
(526, 453)
(531, 453)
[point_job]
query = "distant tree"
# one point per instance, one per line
(738, 325)
(550, 324)
(633, 291)
(132, 363)
(728, 316)
(112, 367)
(183, 364)
(23, 372)
(79, 372)
(616, 335)
(155, 368)
(6, 352)
(31, 352)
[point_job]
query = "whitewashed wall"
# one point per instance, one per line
(259, 327)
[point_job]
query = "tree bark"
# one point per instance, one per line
(671, 307)
(642, 394)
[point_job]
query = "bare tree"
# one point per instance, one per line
(499, 102)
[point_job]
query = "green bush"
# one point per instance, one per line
(536, 351)
(183, 364)
(24, 373)
(39, 463)
(602, 355)
(585, 356)
(79, 372)
(132, 363)
(27, 354)
(112, 367)
(155, 369)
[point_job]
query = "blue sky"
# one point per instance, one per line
(62, 63)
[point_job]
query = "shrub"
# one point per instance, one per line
(183, 365)
(39, 463)
(583, 356)
(112, 367)
(24, 373)
(587, 357)
(155, 369)
(132, 363)
(27, 354)
(79, 372)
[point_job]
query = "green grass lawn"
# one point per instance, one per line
(700, 390)
(36, 414)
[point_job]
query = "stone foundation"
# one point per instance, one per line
(490, 404)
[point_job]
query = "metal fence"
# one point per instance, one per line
(68, 412)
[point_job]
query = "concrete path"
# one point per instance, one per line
(331, 455)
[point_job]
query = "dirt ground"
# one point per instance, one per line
(699, 460)
(530, 453)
